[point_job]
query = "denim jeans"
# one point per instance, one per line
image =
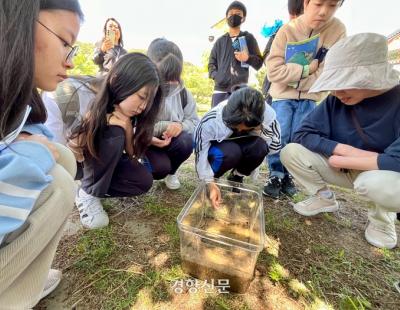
(289, 113)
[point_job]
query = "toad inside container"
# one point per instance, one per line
(222, 243)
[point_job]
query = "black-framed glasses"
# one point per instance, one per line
(74, 49)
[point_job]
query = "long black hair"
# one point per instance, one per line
(120, 41)
(17, 37)
(245, 106)
(127, 76)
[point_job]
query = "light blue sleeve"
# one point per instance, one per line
(24, 168)
(38, 129)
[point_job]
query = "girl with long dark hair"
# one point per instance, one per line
(115, 135)
(110, 47)
(36, 184)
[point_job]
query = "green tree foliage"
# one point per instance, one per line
(260, 75)
(195, 77)
(197, 81)
(83, 61)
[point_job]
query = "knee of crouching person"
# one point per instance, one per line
(146, 182)
(289, 152)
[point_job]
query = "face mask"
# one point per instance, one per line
(170, 88)
(234, 20)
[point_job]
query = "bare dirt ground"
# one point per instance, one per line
(321, 262)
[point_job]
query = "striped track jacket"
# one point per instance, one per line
(212, 128)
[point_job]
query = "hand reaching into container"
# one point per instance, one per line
(215, 195)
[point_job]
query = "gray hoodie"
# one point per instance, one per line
(172, 111)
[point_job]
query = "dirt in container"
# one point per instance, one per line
(236, 218)
(237, 284)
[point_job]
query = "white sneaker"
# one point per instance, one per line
(316, 204)
(172, 181)
(53, 279)
(381, 236)
(91, 210)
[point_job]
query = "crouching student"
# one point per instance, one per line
(36, 187)
(352, 139)
(115, 135)
(172, 142)
(235, 135)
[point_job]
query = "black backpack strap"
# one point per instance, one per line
(184, 99)
(267, 48)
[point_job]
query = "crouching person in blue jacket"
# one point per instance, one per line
(352, 139)
(235, 135)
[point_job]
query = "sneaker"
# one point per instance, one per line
(53, 279)
(273, 187)
(233, 177)
(316, 204)
(91, 210)
(381, 236)
(172, 181)
(288, 187)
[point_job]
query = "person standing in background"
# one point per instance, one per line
(293, 65)
(111, 47)
(232, 54)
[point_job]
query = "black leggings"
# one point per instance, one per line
(243, 154)
(167, 160)
(114, 174)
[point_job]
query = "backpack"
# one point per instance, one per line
(184, 99)
(266, 85)
(67, 99)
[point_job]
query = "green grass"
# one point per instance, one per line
(154, 205)
(274, 222)
(322, 274)
(172, 231)
(94, 249)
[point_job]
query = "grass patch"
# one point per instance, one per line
(277, 272)
(173, 232)
(153, 205)
(94, 249)
(107, 204)
(275, 222)
(300, 196)
(354, 303)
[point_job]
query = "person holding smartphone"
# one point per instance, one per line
(111, 47)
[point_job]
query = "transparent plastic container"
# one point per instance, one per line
(222, 243)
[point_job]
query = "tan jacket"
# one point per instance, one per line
(281, 74)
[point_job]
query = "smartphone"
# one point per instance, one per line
(111, 35)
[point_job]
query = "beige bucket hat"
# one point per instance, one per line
(357, 62)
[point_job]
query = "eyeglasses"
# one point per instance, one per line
(73, 49)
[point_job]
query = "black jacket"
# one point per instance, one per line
(223, 67)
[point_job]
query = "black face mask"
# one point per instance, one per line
(234, 20)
